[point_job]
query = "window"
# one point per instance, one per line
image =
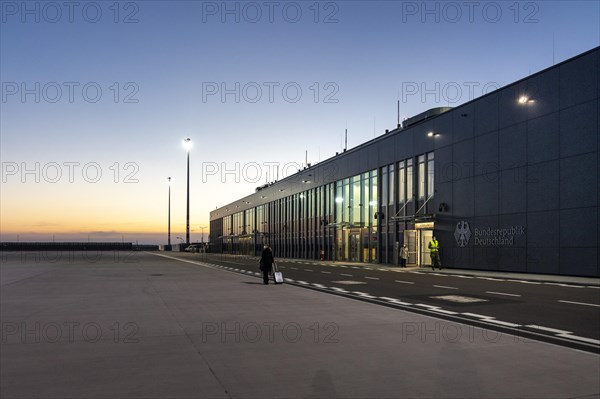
(409, 179)
(421, 176)
(430, 174)
(392, 187)
(401, 182)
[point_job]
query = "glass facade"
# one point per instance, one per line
(351, 219)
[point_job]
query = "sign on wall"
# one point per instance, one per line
(486, 236)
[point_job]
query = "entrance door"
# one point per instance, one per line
(410, 238)
(354, 246)
(425, 237)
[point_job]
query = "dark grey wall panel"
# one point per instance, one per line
(422, 142)
(443, 194)
(512, 190)
(462, 154)
(486, 114)
(373, 152)
(579, 129)
(543, 260)
(578, 184)
(463, 122)
(444, 169)
(579, 80)
(512, 259)
(579, 261)
(543, 229)
(575, 229)
(544, 91)
(459, 258)
(404, 145)
(486, 153)
(462, 203)
(543, 138)
(512, 151)
(387, 153)
(516, 220)
(486, 194)
(511, 111)
(543, 186)
(444, 127)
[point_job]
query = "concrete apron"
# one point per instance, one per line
(157, 327)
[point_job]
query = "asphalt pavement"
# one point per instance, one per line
(145, 325)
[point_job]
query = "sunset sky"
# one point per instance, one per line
(98, 96)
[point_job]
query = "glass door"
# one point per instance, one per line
(410, 238)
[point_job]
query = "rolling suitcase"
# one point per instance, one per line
(277, 276)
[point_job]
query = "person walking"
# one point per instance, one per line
(403, 255)
(434, 250)
(266, 263)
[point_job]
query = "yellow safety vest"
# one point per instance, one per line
(434, 246)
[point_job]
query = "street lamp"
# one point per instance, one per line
(187, 144)
(202, 232)
(169, 235)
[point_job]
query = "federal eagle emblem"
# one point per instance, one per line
(462, 233)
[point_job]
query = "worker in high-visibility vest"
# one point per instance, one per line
(434, 250)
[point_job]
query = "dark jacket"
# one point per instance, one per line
(267, 260)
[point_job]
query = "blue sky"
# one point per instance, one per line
(352, 61)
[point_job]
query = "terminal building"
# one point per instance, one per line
(508, 182)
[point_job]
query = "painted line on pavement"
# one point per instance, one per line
(552, 330)
(580, 303)
(404, 282)
(372, 278)
(344, 274)
(443, 286)
(501, 293)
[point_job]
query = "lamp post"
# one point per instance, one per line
(169, 234)
(202, 232)
(187, 144)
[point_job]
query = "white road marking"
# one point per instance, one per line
(363, 294)
(394, 300)
(403, 282)
(307, 270)
(289, 280)
(501, 293)
(344, 274)
(493, 279)
(460, 276)
(372, 278)
(436, 309)
(552, 330)
(368, 268)
(443, 286)
(319, 285)
(491, 319)
(592, 286)
(294, 268)
(479, 316)
(339, 290)
(580, 303)
(326, 272)
(382, 270)
(565, 285)
(525, 282)
(302, 282)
